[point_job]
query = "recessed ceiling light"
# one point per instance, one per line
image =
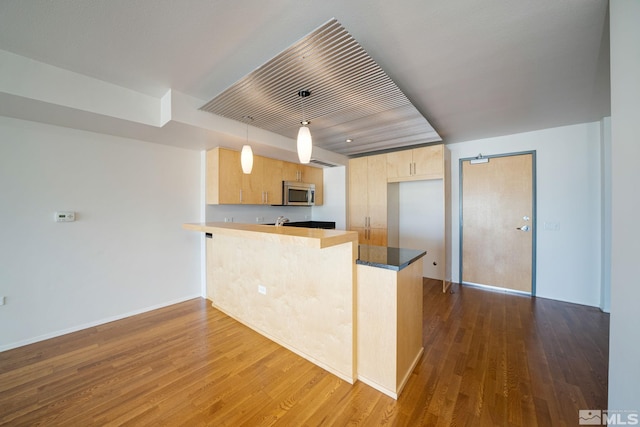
(348, 140)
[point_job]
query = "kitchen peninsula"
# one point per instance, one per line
(293, 285)
(303, 288)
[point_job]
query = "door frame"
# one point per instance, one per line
(533, 221)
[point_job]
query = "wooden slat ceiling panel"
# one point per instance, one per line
(351, 97)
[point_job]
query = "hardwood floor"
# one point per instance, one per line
(490, 359)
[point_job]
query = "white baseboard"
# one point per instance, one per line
(92, 324)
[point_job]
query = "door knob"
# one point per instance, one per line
(523, 228)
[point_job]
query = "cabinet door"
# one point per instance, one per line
(272, 181)
(428, 162)
(362, 234)
(358, 176)
(315, 176)
(252, 183)
(223, 176)
(399, 164)
(377, 191)
(291, 172)
(377, 237)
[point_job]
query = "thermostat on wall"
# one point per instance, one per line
(65, 216)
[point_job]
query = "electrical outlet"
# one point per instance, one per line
(2, 300)
(262, 289)
(259, 219)
(228, 219)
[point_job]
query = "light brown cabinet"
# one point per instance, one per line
(416, 164)
(223, 177)
(373, 208)
(227, 185)
(368, 199)
(315, 176)
(293, 172)
(271, 184)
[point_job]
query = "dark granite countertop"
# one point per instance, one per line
(328, 225)
(387, 257)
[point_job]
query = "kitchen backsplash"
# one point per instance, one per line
(255, 214)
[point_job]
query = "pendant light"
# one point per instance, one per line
(246, 156)
(305, 145)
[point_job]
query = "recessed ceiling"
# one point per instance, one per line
(351, 97)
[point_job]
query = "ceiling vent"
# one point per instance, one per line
(323, 163)
(353, 98)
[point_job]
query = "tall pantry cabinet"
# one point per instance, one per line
(373, 196)
(368, 199)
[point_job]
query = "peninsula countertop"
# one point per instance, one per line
(309, 237)
(387, 257)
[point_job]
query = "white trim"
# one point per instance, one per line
(496, 289)
(93, 324)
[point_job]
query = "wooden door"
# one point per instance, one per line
(498, 222)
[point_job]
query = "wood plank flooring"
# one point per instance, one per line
(490, 359)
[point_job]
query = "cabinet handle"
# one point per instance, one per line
(410, 173)
(240, 196)
(266, 197)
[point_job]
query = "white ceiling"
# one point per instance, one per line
(474, 69)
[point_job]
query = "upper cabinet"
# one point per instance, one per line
(223, 177)
(315, 176)
(227, 185)
(293, 172)
(416, 164)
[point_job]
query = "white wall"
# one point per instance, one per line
(605, 212)
(624, 339)
(335, 198)
(126, 252)
(568, 194)
(256, 214)
(421, 222)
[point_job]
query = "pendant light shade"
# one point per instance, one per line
(246, 156)
(305, 145)
(246, 159)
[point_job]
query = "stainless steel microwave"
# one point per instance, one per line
(298, 193)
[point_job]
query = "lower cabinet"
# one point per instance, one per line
(389, 323)
(371, 236)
